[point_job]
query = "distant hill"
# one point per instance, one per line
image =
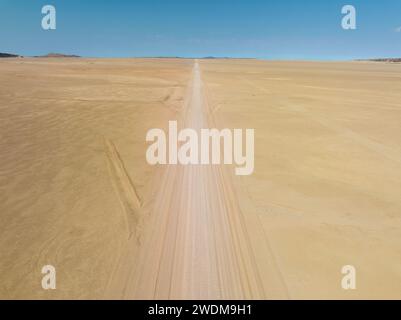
(228, 58)
(391, 60)
(8, 55)
(58, 55)
(211, 57)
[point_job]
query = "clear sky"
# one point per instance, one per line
(273, 29)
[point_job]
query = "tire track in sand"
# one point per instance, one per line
(125, 189)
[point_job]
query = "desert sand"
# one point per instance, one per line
(77, 192)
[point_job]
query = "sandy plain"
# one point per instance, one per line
(76, 191)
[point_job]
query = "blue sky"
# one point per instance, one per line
(272, 29)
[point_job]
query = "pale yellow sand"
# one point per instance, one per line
(63, 194)
(77, 193)
(327, 183)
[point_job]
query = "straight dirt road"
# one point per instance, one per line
(196, 245)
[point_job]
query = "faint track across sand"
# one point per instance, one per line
(124, 186)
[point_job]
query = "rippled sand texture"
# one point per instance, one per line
(72, 147)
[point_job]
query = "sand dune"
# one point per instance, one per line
(76, 191)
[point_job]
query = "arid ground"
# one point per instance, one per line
(77, 193)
